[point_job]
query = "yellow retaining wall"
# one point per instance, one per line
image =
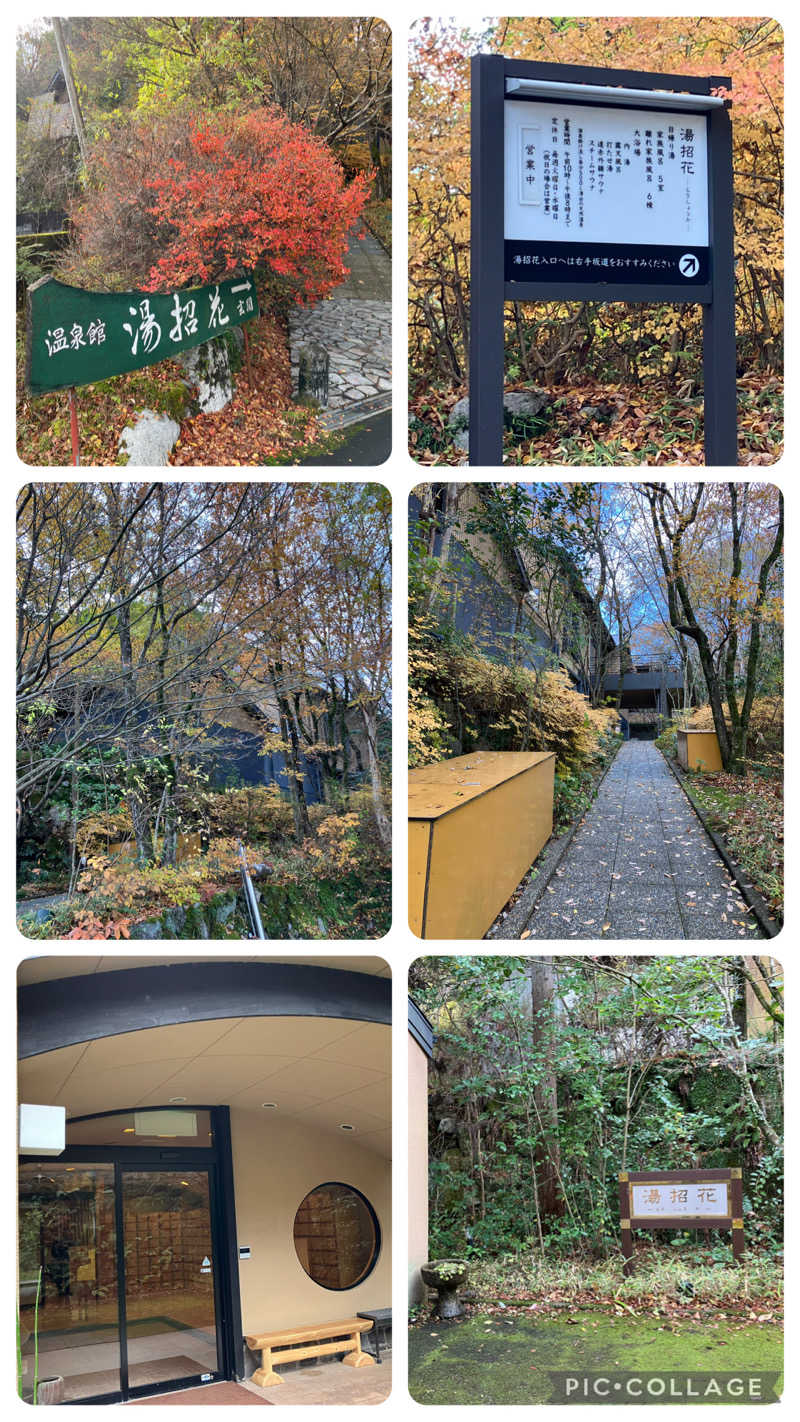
(699, 750)
(476, 824)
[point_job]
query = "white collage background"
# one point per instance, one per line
(400, 474)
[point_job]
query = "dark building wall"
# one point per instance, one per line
(236, 758)
(481, 608)
(488, 613)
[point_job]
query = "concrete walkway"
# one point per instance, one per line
(641, 865)
(354, 325)
(41, 907)
(369, 443)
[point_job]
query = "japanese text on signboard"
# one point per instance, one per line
(706, 1200)
(608, 193)
(585, 172)
(76, 337)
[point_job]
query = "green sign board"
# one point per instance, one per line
(76, 337)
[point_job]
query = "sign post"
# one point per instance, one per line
(680, 1199)
(73, 426)
(602, 185)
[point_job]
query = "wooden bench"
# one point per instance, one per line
(290, 1345)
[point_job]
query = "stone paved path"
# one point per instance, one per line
(355, 326)
(641, 865)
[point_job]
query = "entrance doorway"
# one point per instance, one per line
(124, 1256)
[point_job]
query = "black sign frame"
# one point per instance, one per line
(489, 289)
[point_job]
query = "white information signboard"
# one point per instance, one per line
(597, 192)
(704, 1200)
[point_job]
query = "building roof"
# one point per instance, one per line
(420, 1028)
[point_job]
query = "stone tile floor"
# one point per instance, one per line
(354, 325)
(331, 1382)
(325, 1382)
(641, 865)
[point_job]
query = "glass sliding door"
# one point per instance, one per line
(170, 1307)
(117, 1281)
(68, 1253)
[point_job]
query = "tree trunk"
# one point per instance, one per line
(295, 774)
(370, 723)
(682, 616)
(137, 802)
(169, 844)
(541, 976)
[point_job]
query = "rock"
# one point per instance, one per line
(174, 920)
(526, 404)
(458, 421)
(150, 440)
(602, 414)
(518, 406)
(208, 368)
(224, 911)
(151, 928)
(312, 375)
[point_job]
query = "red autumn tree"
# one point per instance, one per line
(191, 199)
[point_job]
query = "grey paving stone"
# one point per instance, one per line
(655, 926)
(354, 325)
(588, 901)
(640, 865)
(657, 898)
(712, 926)
(587, 870)
(644, 883)
(558, 928)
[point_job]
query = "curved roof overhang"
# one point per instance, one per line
(311, 1042)
(60, 1012)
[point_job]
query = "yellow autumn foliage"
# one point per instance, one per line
(460, 701)
(557, 341)
(765, 738)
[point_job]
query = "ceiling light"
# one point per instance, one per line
(176, 1100)
(128, 1131)
(269, 1105)
(344, 1127)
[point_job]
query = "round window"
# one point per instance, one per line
(336, 1236)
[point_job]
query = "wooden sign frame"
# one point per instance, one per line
(733, 1220)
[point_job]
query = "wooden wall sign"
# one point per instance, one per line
(593, 184)
(680, 1199)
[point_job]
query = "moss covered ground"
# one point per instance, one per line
(486, 1359)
